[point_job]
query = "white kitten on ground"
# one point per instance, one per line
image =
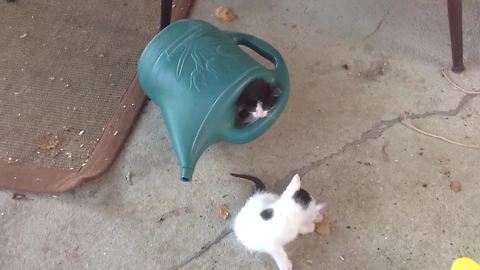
(267, 222)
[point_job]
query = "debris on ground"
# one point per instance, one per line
(224, 214)
(174, 213)
(18, 196)
(385, 155)
(128, 178)
(24, 35)
(346, 67)
(225, 14)
(50, 143)
(455, 185)
(323, 227)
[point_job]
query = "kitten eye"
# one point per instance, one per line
(267, 214)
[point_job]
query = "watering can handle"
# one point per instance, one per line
(262, 48)
(280, 77)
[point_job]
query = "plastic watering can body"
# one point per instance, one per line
(195, 73)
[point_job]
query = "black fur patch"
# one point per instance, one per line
(267, 214)
(302, 197)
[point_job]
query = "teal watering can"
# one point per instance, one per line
(195, 73)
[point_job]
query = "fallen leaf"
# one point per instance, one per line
(225, 14)
(323, 227)
(224, 214)
(18, 196)
(50, 143)
(455, 186)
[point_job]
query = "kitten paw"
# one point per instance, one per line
(306, 229)
(319, 218)
(287, 266)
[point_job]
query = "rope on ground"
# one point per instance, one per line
(456, 86)
(406, 122)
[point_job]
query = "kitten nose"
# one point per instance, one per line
(260, 112)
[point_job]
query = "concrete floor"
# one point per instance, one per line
(387, 187)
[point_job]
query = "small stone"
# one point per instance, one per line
(18, 196)
(24, 35)
(81, 132)
(51, 78)
(455, 185)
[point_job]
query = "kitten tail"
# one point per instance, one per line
(259, 185)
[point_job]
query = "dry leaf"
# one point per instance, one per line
(50, 143)
(225, 14)
(224, 214)
(323, 227)
(455, 186)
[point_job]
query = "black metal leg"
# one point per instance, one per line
(456, 34)
(166, 13)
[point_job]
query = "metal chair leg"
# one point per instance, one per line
(456, 34)
(166, 13)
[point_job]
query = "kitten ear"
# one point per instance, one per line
(293, 187)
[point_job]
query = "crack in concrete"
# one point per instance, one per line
(374, 132)
(203, 249)
(379, 24)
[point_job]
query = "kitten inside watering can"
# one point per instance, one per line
(256, 101)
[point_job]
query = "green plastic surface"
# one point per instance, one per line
(195, 72)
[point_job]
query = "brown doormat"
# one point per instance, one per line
(64, 68)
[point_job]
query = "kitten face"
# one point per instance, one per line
(258, 99)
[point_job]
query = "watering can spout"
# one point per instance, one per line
(186, 174)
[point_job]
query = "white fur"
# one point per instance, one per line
(259, 111)
(288, 220)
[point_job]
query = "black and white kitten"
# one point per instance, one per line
(267, 221)
(258, 98)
